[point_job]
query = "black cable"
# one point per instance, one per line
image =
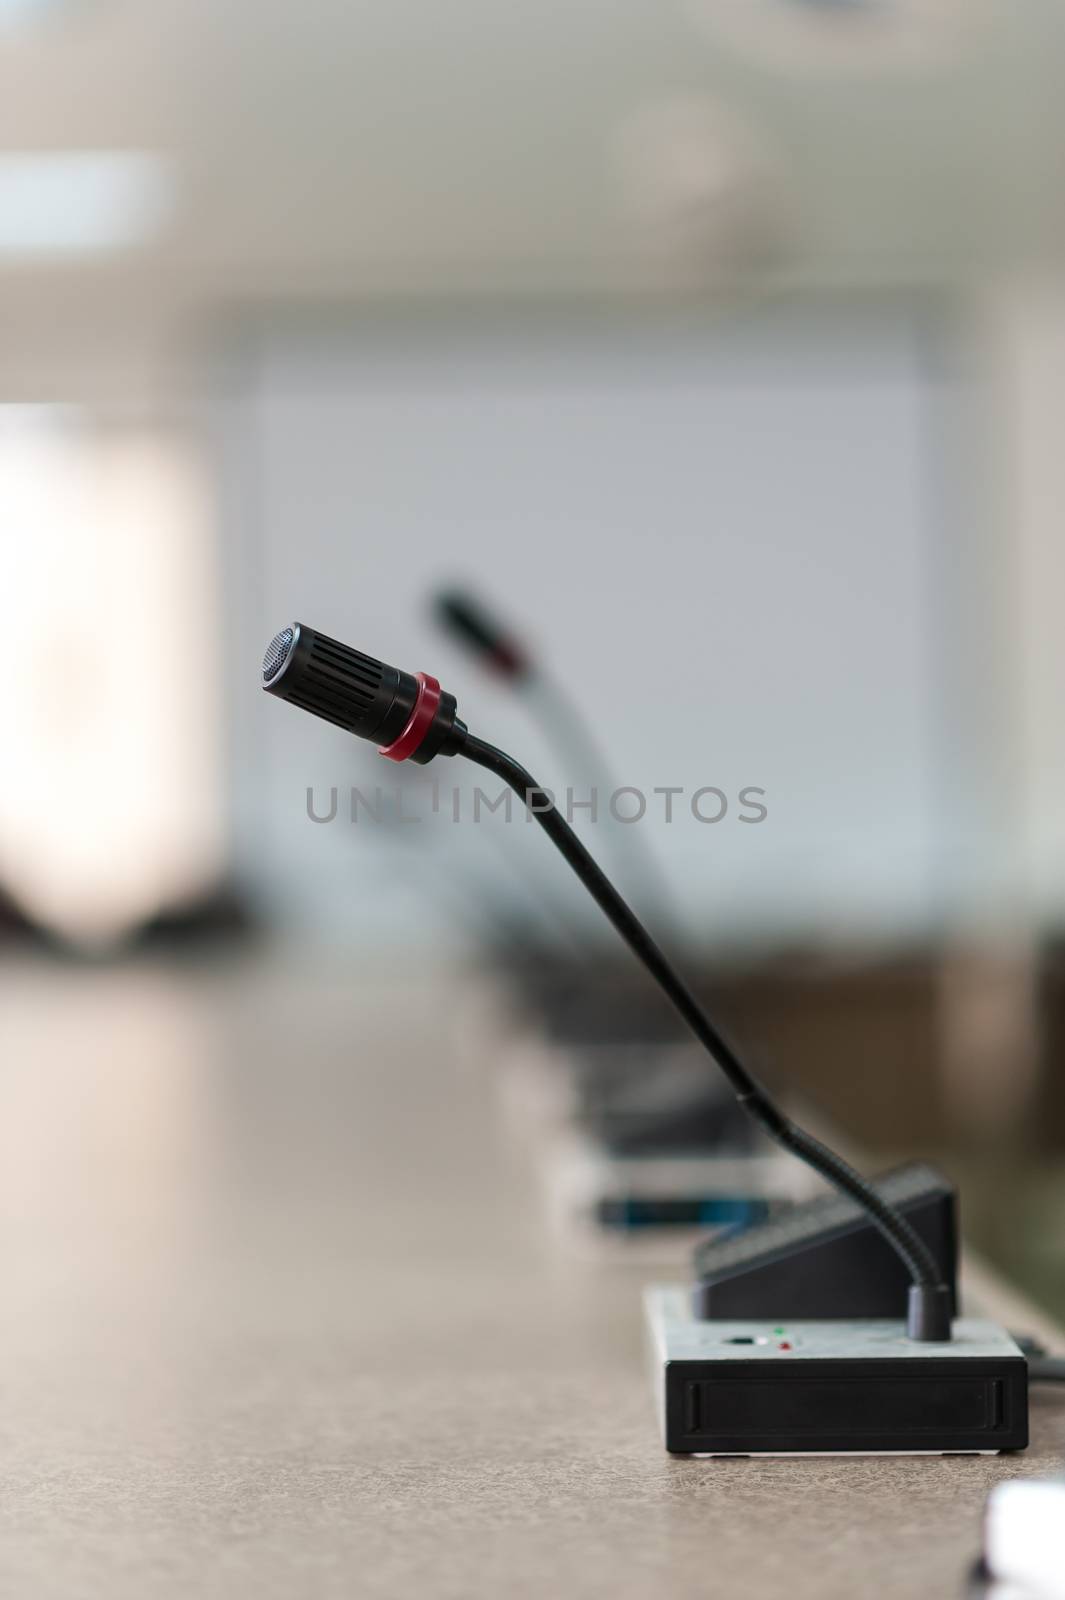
(577, 744)
(1042, 1366)
(902, 1237)
(1046, 1369)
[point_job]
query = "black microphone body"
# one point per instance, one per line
(406, 714)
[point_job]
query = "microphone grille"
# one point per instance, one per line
(277, 653)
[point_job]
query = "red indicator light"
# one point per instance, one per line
(784, 1345)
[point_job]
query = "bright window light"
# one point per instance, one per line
(109, 806)
(81, 202)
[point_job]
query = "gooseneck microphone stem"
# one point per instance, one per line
(929, 1306)
(412, 719)
(573, 738)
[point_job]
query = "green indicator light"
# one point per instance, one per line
(778, 1331)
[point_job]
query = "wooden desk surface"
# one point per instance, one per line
(282, 1318)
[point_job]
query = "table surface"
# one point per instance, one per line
(283, 1317)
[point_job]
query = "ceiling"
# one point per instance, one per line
(338, 149)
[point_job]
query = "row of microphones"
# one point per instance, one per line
(632, 1078)
(410, 717)
(550, 701)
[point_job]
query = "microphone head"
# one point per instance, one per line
(406, 714)
(469, 621)
(277, 652)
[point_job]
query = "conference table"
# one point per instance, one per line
(283, 1317)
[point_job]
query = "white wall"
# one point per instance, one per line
(726, 535)
(1023, 327)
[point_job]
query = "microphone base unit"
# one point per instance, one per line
(755, 1387)
(825, 1261)
(715, 1193)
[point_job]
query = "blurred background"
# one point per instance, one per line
(719, 345)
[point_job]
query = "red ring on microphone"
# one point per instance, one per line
(421, 720)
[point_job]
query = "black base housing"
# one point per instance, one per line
(875, 1406)
(825, 1259)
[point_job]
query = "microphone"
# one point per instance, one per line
(463, 615)
(482, 632)
(409, 712)
(419, 721)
